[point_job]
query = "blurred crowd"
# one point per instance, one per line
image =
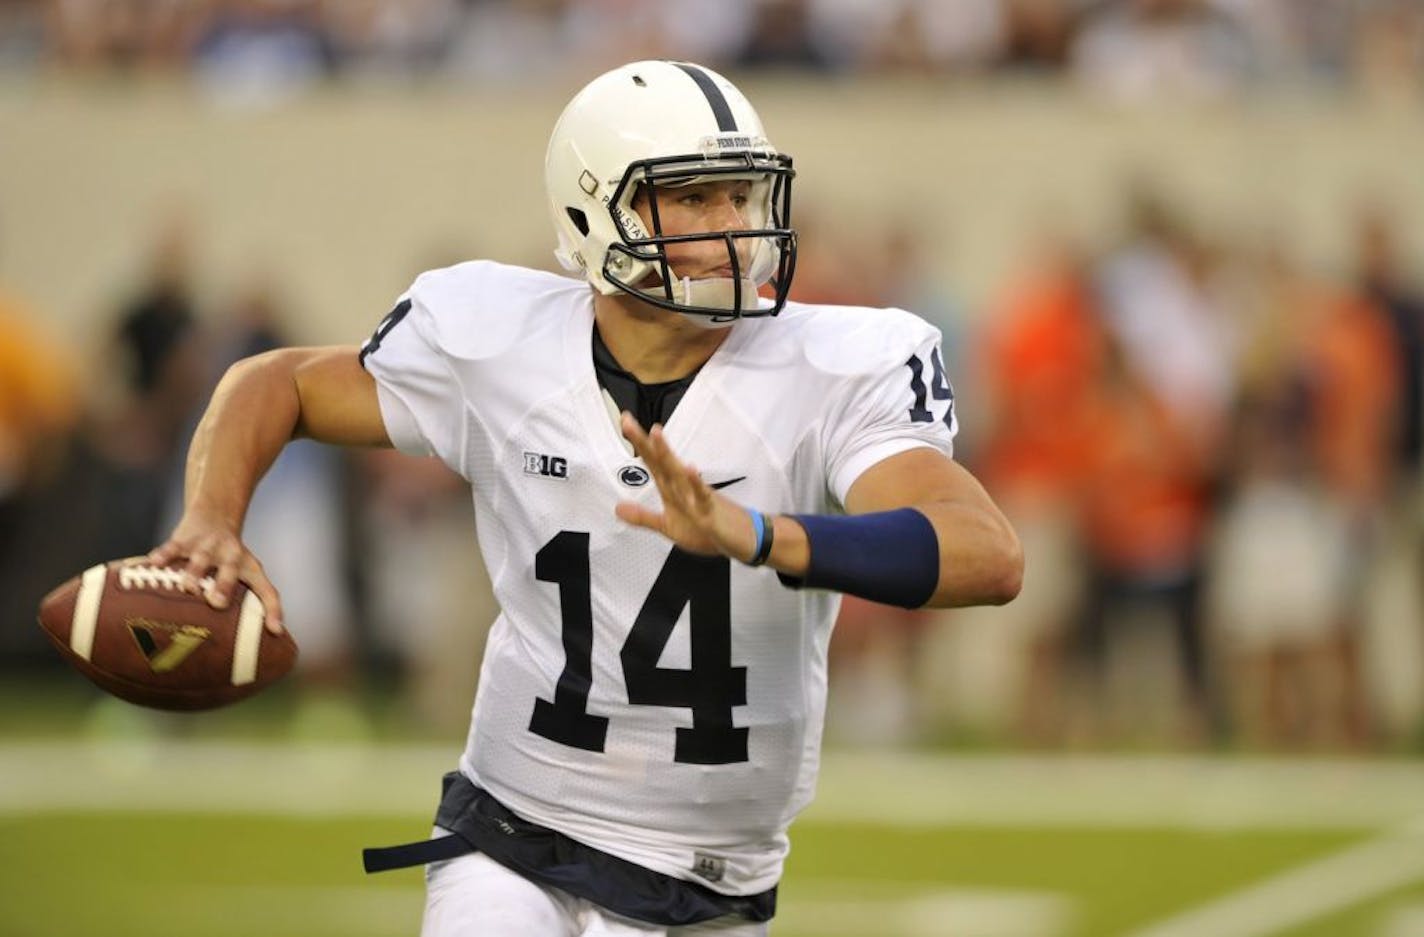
(1212, 453)
(1130, 49)
(1215, 436)
(1211, 450)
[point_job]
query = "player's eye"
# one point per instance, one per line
(691, 199)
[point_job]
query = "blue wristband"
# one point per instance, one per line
(762, 527)
(890, 556)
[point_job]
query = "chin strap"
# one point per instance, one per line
(714, 293)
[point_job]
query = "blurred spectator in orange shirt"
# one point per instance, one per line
(1145, 505)
(1040, 357)
(38, 399)
(1158, 423)
(1353, 369)
(1145, 509)
(1382, 281)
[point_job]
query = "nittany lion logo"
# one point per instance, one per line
(165, 645)
(634, 476)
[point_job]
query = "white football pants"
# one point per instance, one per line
(474, 896)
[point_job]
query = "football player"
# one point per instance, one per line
(675, 474)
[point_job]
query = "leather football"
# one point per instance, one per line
(146, 634)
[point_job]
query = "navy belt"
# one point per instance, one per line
(438, 849)
(479, 823)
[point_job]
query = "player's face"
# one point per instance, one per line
(697, 208)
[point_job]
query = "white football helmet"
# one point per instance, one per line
(668, 123)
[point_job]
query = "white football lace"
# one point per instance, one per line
(156, 577)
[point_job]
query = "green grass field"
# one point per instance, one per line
(187, 838)
(183, 875)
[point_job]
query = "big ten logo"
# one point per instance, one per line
(550, 466)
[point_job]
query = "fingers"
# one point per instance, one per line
(651, 446)
(693, 516)
(662, 454)
(223, 584)
(632, 431)
(256, 578)
(699, 491)
(675, 479)
(222, 554)
(195, 561)
(224, 559)
(165, 553)
(639, 516)
(646, 448)
(245, 568)
(199, 562)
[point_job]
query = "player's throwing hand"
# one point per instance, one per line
(209, 544)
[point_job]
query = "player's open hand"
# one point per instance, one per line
(693, 516)
(210, 545)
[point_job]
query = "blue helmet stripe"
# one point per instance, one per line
(720, 108)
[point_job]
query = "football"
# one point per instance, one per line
(146, 634)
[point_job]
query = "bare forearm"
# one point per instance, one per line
(252, 415)
(258, 407)
(980, 560)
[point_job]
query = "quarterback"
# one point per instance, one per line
(676, 472)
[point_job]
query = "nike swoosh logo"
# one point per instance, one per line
(731, 481)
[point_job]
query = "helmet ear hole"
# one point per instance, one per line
(579, 219)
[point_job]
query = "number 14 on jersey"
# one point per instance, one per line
(711, 687)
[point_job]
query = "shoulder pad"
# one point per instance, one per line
(480, 308)
(856, 340)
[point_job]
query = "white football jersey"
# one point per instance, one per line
(662, 707)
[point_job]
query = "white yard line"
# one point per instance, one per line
(1198, 793)
(1405, 922)
(1306, 892)
(925, 913)
(204, 777)
(1142, 792)
(855, 908)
